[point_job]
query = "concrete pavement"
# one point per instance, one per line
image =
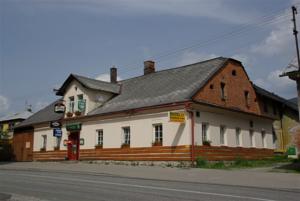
(247, 178)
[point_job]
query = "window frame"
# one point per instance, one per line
(71, 104)
(158, 133)
(204, 137)
(222, 135)
(223, 93)
(126, 135)
(252, 138)
(100, 135)
(44, 142)
(263, 138)
(238, 137)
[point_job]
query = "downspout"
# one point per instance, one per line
(191, 114)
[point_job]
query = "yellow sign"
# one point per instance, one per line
(177, 117)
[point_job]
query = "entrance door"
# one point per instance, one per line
(73, 146)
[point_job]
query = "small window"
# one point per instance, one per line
(222, 135)
(211, 86)
(71, 104)
(100, 137)
(246, 95)
(44, 141)
(238, 137)
(263, 138)
(204, 132)
(158, 133)
(252, 138)
(265, 105)
(126, 135)
(251, 124)
(274, 109)
(11, 126)
(197, 114)
(223, 97)
(233, 72)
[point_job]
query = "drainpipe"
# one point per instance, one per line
(191, 113)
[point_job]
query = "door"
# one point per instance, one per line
(23, 146)
(73, 146)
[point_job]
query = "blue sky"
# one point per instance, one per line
(43, 41)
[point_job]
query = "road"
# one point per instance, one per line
(31, 185)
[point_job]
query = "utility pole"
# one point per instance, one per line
(296, 75)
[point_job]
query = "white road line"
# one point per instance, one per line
(145, 187)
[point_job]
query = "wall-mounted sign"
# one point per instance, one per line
(59, 107)
(81, 141)
(81, 105)
(57, 132)
(55, 124)
(73, 127)
(177, 117)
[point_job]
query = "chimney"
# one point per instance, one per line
(149, 67)
(113, 74)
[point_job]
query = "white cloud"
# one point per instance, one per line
(278, 40)
(4, 104)
(280, 85)
(189, 57)
(105, 77)
(217, 9)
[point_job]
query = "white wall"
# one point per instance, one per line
(141, 131)
(231, 122)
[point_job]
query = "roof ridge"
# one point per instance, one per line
(178, 67)
(85, 77)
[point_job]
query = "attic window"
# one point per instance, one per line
(223, 91)
(211, 86)
(233, 72)
(246, 94)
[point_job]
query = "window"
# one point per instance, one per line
(126, 135)
(158, 133)
(251, 135)
(265, 105)
(44, 141)
(223, 97)
(204, 132)
(71, 104)
(246, 95)
(100, 137)
(211, 86)
(238, 136)
(222, 135)
(274, 109)
(233, 72)
(197, 114)
(263, 138)
(11, 126)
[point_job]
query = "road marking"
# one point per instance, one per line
(144, 187)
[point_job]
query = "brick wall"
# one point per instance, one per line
(176, 153)
(235, 87)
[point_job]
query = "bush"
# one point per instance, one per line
(241, 162)
(218, 165)
(200, 162)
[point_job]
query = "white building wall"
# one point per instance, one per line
(231, 122)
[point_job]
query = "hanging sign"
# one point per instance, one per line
(59, 107)
(55, 124)
(73, 127)
(177, 117)
(57, 132)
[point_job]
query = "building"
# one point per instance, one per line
(168, 115)
(286, 113)
(7, 123)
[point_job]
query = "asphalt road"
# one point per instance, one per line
(24, 185)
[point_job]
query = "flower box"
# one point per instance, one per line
(98, 146)
(69, 114)
(124, 145)
(156, 143)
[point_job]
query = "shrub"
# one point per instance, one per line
(218, 165)
(241, 162)
(200, 162)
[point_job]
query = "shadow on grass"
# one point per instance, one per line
(294, 166)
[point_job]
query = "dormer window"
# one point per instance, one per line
(223, 96)
(71, 104)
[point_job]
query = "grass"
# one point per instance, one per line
(243, 163)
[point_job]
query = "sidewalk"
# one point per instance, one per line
(247, 178)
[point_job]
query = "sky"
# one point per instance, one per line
(43, 41)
